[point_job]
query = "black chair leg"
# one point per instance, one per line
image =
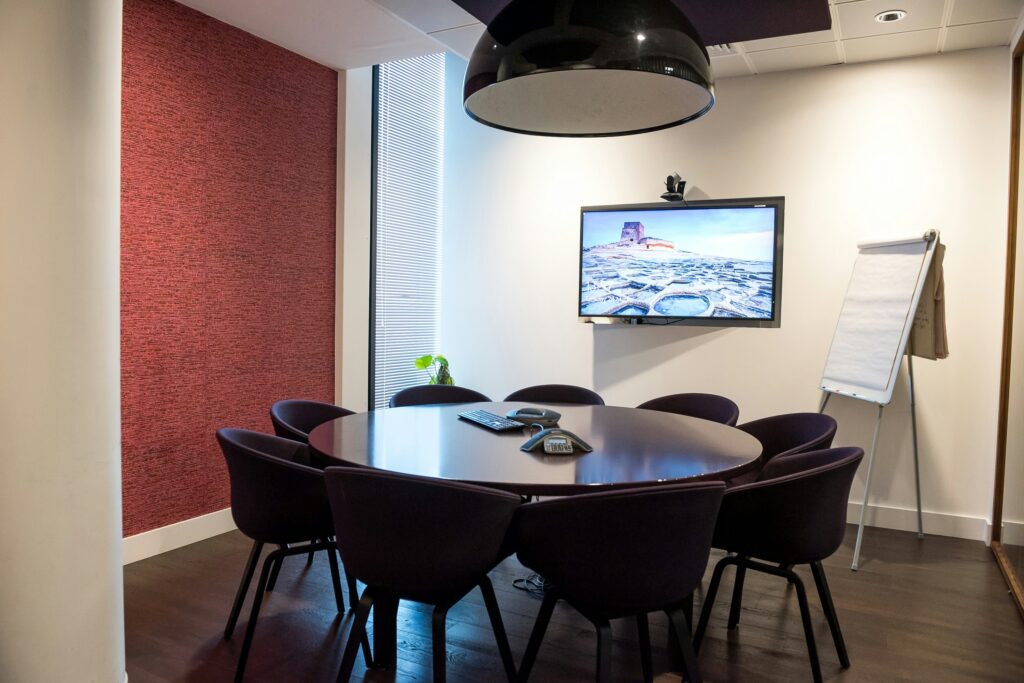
(604, 651)
(494, 614)
(805, 615)
(353, 590)
(356, 637)
(709, 601)
(830, 613)
(243, 588)
(309, 559)
(691, 672)
(643, 633)
(737, 597)
(537, 635)
(273, 559)
(339, 597)
(276, 570)
(439, 620)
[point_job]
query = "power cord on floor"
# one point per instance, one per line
(534, 585)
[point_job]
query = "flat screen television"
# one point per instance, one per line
(708, 262)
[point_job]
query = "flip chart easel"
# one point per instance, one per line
(871, 339)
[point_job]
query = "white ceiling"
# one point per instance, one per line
(341, 34)
(346, 34)
(931, 26)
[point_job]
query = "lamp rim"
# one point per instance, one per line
(709, 87)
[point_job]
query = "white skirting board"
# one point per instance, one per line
(937, 523)
(173, 536)
(1013, 533)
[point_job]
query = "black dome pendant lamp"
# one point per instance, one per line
(588, 68)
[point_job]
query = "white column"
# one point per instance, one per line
(61, 606)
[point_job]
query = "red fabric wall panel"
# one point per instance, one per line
(227, 248)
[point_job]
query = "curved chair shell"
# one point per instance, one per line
(557, 393)
(296, 418)
(435, 394)
(704, 406)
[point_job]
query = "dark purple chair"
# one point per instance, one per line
(296, 418)
(784, 435)
(435, 394)
(556, 393)
(794, 514)
(415, 538)
(705, 406)
(620, 554)
(277, 498)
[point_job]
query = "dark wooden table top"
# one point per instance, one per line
(632, 447)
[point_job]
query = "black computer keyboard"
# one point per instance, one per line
(491, 421)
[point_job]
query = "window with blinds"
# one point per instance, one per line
(407, 196)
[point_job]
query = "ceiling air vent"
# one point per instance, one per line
(721, 50)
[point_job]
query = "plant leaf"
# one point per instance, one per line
(424, 362)
(441, 360)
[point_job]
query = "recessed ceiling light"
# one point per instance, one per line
(890, 15)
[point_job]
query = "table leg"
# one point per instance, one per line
(385, 632)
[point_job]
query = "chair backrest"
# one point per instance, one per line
(622, 552)
(276, 497)
(557, 393)
(795, 513)
(705, 406)
(435, 394)
(296, 418)
(791, 433)
(424, 539)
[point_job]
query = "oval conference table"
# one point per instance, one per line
(632, 447)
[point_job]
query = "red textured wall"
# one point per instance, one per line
(227, 248)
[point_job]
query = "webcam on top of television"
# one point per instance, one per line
(675, 187)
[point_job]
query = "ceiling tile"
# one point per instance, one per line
(857, 19)
(789, 41)
(891, 46)
(987, 34)
(429, 15)
(729, 66)
(460, 40)
(800, 57)
(976, 11)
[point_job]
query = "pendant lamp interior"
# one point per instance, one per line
(586, 68)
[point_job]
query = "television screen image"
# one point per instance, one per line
(702, 260)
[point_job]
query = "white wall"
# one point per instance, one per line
(352, 340)
(871, 149)
(61, 608)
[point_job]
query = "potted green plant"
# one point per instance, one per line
(437, 367)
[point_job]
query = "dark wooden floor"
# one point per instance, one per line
(931, 610)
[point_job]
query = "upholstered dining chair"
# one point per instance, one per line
(704, 406)
(415, 538)
(784, 435)
(602, 554)
(276, 499)
(296, 418)
(435, 394)
(556, 393)
(794, 514)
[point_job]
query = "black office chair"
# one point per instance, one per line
(556, 393)
(415, 538)
(620, 554)
(785, 435)
(276, 498)
(296, 418)
(705, 406)
(435, 394)
(795, 514)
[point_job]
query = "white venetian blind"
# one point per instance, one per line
(407, 287)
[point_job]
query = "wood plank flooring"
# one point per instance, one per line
(931, 610)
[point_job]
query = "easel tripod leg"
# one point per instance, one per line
(867, 491)
(913, 426)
